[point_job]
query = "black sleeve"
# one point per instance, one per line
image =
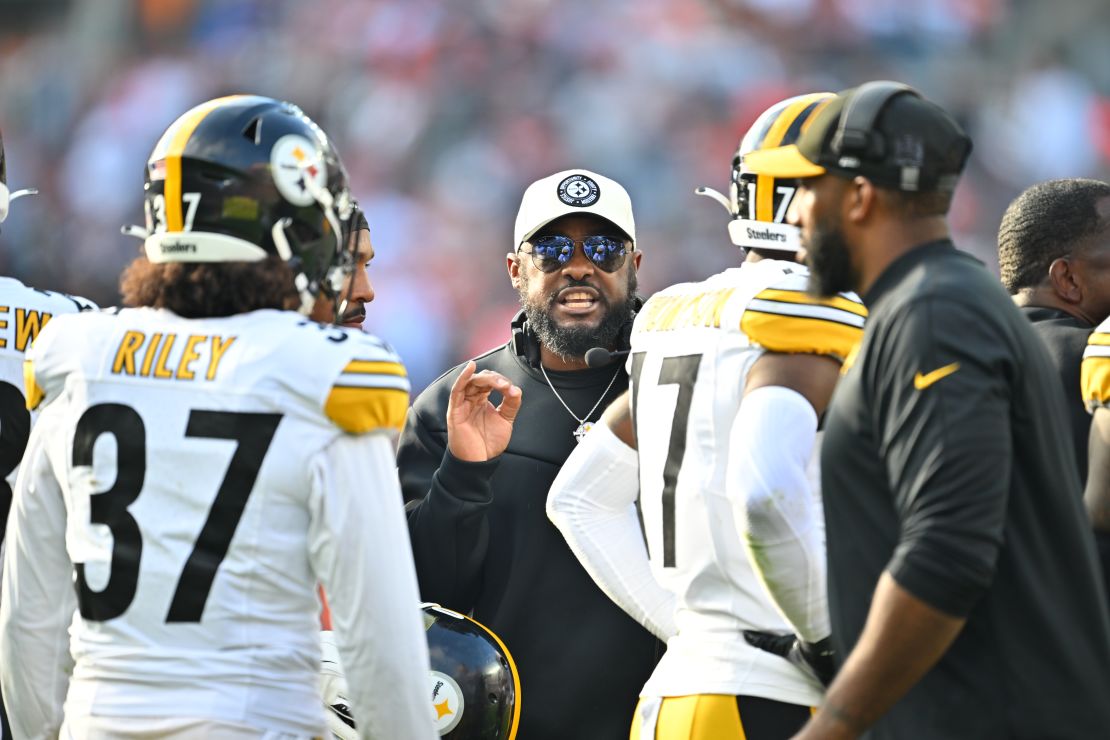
(1102, 540)
(943, 421)
(446, 505)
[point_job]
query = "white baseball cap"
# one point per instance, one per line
(573, 191)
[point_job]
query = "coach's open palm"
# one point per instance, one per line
(476, 429)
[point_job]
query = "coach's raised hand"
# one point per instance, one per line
(476, 429)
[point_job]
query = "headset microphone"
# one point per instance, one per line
(600, 357)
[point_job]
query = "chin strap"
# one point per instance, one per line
(343, 261)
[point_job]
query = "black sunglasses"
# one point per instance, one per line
(549, 253)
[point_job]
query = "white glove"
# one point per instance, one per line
(333, 687)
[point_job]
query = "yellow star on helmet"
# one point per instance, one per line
(298, 154)
(442, 710)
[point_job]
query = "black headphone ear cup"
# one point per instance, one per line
(855, 135)
(524, 341)
(624, 341)
(517, 327)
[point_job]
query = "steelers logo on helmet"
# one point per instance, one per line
(579, 191)
(475, 688)
(298, 169)
(447, 702)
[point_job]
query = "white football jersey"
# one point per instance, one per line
(693, 345)
(213, 472)
(1095, 374)
(23, 312)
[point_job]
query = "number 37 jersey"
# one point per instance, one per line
(693, 345)
(203, 502)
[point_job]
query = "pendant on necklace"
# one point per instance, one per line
(582, 430)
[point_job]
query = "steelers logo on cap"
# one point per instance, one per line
(579, 190)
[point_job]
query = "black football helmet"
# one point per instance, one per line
(242, 177)
(475, 689)
(6, 196)
(758, 203)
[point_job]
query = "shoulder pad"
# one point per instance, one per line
(785, 318)
(1094, 378)
(371, 392)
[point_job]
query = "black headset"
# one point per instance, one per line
(524, 341)
(855, 136)
(526, 344)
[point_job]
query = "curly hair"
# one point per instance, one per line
(1046, 222)
(203, 289)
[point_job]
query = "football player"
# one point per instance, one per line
(23, 313)
(718, 433)
(205, 458)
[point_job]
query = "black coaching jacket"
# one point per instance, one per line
(483, 545)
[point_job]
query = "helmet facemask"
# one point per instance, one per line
(345, 265)
(320, 265)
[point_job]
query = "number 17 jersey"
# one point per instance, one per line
(693, 345)
(199, 461)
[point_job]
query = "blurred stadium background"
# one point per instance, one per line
(444, 110)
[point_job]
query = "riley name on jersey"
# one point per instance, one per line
(177, 365)
(370, 388)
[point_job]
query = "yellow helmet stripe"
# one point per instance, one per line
(816, 112)
(764, 198)
(765, 184)
(782, 123)
(515, 722)
(186, 125)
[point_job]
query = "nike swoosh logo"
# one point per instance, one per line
(921, 382)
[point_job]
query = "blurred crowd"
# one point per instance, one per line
(445, 111)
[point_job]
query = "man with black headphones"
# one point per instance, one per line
(476, 475)
(963, 584)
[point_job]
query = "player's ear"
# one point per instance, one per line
(860, 199)
(1064, 280)
(512, 263)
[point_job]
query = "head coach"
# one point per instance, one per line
(963, 584)
(476, 475)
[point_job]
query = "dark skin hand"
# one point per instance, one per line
(476, 429)
(903, 638)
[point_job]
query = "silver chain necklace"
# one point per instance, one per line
(583, 425)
